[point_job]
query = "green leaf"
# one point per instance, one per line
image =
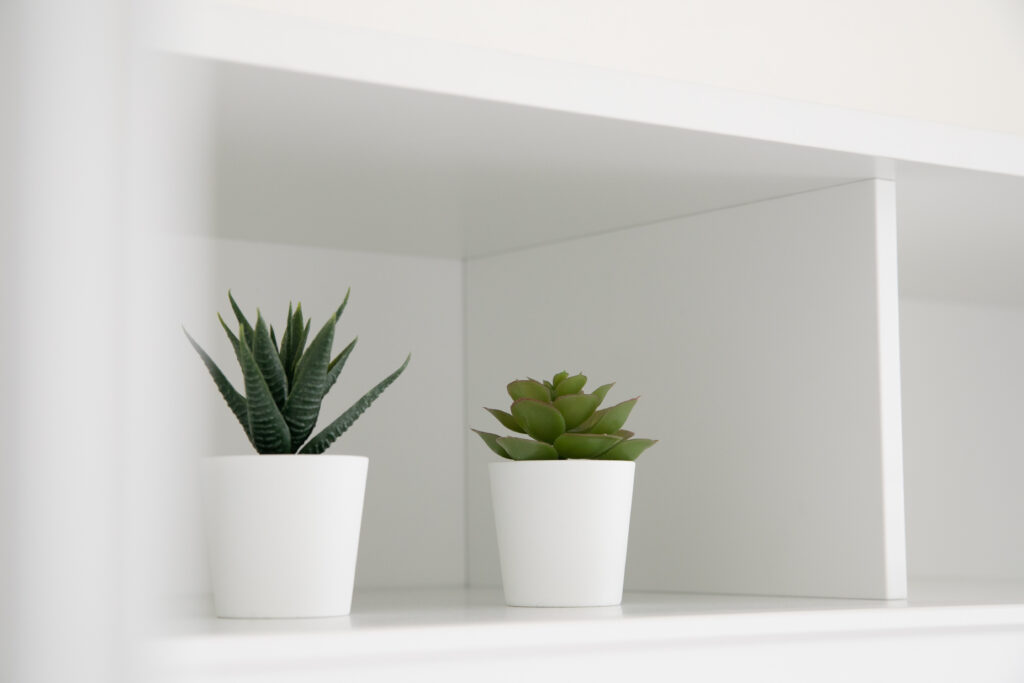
(558, 378)
(492, 442)
(628, 450)
(269, 362)
(300, 347)
(302, 408)
(576, 408)
(335, 367)
(528, 388)
(541, 420)
(246, 332)
(323, 440)
(588, 446)
(624, 434)
(285, 350)
(608, 420)
(341, 308)
(231, 335)
(266, 424)
(273, 339)
(527, 449)
(506, 420)
(236, 402)
(570, 385)
(602, 391)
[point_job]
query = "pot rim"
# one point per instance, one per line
(275, 456)
(569, 462)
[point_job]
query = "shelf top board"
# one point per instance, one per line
(326, 135)
(445, 623)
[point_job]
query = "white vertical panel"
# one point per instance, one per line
(754, 336)
(963, 382)
(63, 339)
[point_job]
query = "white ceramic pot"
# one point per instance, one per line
(562, 530)
(282, 533)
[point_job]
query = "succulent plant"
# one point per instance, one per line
(563, 422)
(285, 383)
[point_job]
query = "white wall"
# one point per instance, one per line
(963, 416)
(757, 336)
(413, 525)
(958, 61)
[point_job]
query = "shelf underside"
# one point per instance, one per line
(319, 161)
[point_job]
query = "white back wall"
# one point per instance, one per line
(413, 528)
(758, 337)
(963, 415)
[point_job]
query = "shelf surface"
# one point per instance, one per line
(456, 623)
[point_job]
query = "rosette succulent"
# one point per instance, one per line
(286, 383)
(563, 422)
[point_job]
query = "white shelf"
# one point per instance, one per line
(449, 626)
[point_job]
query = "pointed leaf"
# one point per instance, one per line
(570, 385)
(624, 434)
(300, 348)
(576, 408)
(628, 450)
(541, 420)
(549, 385)
(302, 408)
(341, 308)
(236, 402)
(506, 420)
(247, 331)
(527, 449)
(492, 442)
(588, 446)
(336, 365)
(608, 420)
(286, 346)
(266, 424)
(558, 378)
(269, 362)
(602, 391)
(323, 440)
(528, 388)
(273, 339)
(231, 335)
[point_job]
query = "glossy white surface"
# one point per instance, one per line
(562, 527)
(456, 632)
(283, 533)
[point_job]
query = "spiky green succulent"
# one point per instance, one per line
(563, 423)
(286, 383)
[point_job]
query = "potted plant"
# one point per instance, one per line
(282, 526)
(562, 505)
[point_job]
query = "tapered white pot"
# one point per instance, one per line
(562, 528)
(283, 533)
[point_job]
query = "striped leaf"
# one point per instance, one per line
(236, 402)
(269, 362)
(323, 440)
(246, 332)
(302, 408)
(336, 365)
(266, 424)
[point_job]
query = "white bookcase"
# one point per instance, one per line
(765, 273)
